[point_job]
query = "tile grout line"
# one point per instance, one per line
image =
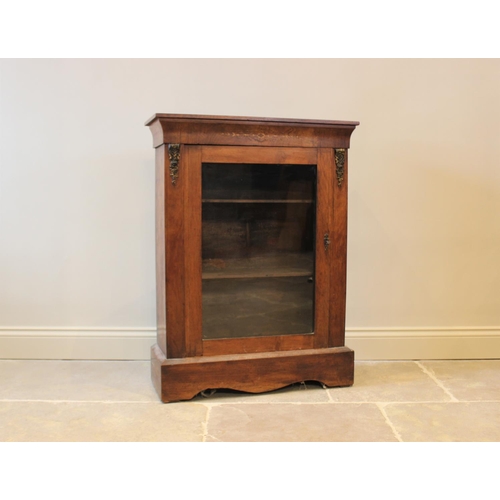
(229, 402)
(397, 435)
(330, 399)
(88, 401)
(204, 425)
(436, 381)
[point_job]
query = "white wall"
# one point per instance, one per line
(77, 195)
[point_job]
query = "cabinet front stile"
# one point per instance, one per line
(338, 281)
(192, 251)
(174, 192)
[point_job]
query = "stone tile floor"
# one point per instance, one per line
(390, 401)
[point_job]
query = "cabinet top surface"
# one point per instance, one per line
(255, 119)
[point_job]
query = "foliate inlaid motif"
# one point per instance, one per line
(174, 151)
(339, 165)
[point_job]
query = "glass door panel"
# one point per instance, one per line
(258, 237)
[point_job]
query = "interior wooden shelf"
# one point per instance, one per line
(254, 201)
(266, 266)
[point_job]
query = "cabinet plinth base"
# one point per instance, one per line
(181, 379)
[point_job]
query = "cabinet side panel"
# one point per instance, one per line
(175, 186)
(192, 254)
(161, 313)
(338, 267)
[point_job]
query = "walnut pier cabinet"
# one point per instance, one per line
(251, 235)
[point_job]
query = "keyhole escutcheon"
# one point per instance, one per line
(326, 240)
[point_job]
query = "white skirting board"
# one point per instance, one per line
(135, 343)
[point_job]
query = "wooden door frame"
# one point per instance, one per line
(194, 157)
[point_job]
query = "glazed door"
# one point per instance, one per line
(260, 240)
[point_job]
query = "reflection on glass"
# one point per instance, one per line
(257, 249)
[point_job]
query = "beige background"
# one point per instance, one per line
(77, 195)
